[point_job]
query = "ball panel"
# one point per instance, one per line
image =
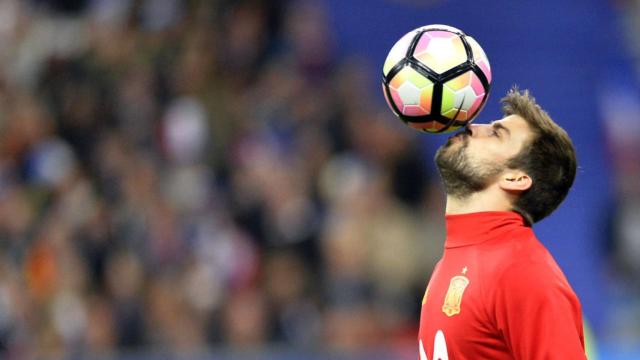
(398, 52)
(431, 126)
(462, 96)
(411, 92)
(395, 97)
(476, 105)
(386, 97)
(426, 98)
(414, 110)
(441, 27)
(441, 34)
(484, 66)
(465, 98)
(448, 100)
(476, 50)
(460, 81)
(476, 84)
(480, 57)
(440, 50)
(456, 113)
(408, 74)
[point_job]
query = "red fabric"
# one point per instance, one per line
(497, 294)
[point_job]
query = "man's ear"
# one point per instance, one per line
(515, 181)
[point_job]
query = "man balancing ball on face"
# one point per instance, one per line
(497, 293)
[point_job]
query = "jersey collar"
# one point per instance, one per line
(474, 228)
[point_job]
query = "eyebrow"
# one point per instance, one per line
(499, 126)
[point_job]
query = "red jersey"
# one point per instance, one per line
(498, 294)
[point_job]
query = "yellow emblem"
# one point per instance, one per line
(453, 298)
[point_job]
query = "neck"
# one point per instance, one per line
(486, 200)
(470, 229)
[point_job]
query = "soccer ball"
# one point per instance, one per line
(436, 78)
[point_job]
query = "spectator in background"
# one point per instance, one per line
(178, 176)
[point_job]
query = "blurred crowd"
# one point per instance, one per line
(192, 175)
(620, 106)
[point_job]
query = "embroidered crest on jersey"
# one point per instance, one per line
(453, 299)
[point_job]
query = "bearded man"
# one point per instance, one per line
(497, 293)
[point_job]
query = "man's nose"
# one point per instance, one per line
(473, 129)
(478, 129)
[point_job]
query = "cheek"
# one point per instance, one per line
(488, 152)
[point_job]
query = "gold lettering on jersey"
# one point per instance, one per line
(453, 299)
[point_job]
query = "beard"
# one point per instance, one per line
(460, 176)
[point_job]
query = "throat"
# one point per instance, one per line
(476, 202)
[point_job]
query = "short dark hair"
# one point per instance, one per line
(549, 158)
